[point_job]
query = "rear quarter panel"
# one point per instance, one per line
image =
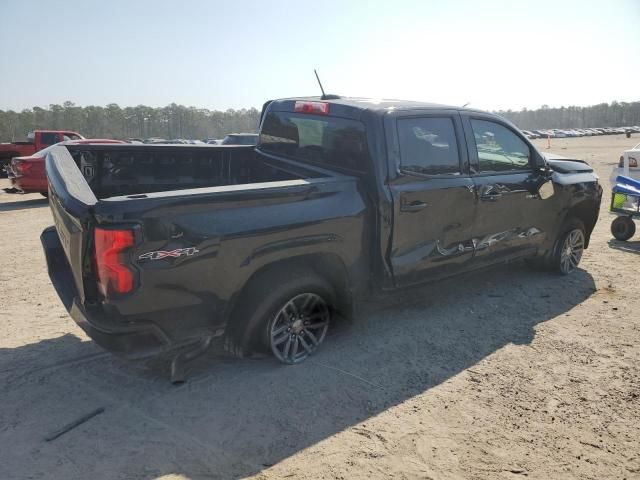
(233, 236)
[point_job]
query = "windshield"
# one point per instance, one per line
(321, 140)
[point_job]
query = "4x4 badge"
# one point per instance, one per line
(160, 254)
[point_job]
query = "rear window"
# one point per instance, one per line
(324, 141)
(48, 138)
(240, 140)
(428, 145)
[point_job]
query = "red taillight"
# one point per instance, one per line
(318, 108)
(111, 266)
(21, 167)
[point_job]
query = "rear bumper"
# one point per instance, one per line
(129, 340)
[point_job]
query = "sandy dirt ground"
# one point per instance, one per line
(503, 374)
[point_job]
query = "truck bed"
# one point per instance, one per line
(135, 171)
(197, 214)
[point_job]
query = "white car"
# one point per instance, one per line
(629, 164)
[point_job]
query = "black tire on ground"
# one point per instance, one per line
(568, 248)
(259, 308)
(3, 163)
(45, 194)
(623, 228)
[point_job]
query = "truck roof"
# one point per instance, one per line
(52, 131)
(370, 104)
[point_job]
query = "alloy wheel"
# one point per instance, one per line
(299, 327)
(571, 252)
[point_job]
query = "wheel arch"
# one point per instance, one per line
(328, 267)
(587, 214)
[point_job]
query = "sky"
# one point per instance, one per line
(492, 54)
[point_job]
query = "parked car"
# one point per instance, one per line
(628, 165)
(530, 135)
(340, 200)
(545, 133)
(28, 174)
(240, 139)
(36, 141)
(560, 133)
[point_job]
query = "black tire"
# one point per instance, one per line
(568, 248)
(3, 164)
(45, 194)
(623, 228)
(258, 309)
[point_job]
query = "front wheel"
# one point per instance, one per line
(569, 248)
(623, 228)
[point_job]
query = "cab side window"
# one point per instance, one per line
(499, 149)
(428, 145)
(48, 138)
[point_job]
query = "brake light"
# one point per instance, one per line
(21, 167)
(318, 108)
(114, 276)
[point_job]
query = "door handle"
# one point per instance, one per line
(412, 207)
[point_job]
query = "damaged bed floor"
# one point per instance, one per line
(501, 374)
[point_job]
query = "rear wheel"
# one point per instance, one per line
(288, 317)
(3, 164)
(299, 327)
(623, 228)
(45, 194)
(569, 247)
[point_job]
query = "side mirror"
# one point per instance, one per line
(546, 190)
(539, 163)
(545, 186)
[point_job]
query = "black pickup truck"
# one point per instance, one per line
(158, 247)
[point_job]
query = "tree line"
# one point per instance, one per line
(112, 121)
(179, 121)
(615, 114)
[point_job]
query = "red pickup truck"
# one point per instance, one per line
(36, 141)
(28, 173)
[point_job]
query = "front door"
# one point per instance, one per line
(509, 212)
(433, 197)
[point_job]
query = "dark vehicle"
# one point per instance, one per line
(240, 139)
(156, 247)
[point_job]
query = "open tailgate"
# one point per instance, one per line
(71, 201)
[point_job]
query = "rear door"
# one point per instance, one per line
(433, 195)
(510, 214)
